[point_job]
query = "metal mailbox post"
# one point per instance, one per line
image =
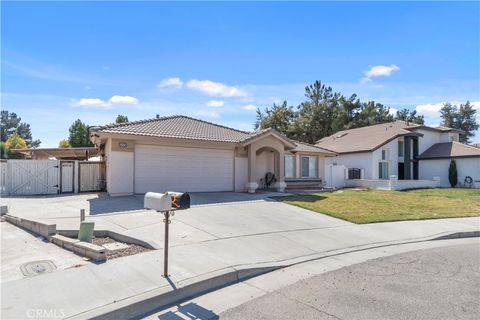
(166, 203)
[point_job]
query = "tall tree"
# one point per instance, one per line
(278, 117)
(448, 113)
(467, 121)
(462, 118)
(121, 119)
(64, 144)
(10, 123)
(79, 135)
(15, 141)
(410, 116)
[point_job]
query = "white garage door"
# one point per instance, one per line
(161, 169)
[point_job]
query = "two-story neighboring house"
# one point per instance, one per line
(406, 150)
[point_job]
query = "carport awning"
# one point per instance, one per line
(59, 153)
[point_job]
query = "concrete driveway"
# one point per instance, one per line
(213, 216)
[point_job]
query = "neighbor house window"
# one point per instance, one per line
(354, 173)
(289, 166)
(383, 170)
(309, 167)
(384, 154)
(400, 148)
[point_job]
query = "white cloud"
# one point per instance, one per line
(249, 107)
(92, 102)
(378, 71)
(429, 110)
(174, 82)
(209, 114)
(215, 89)
(96, 102)
(215, 103)
(123, 100)
(393, 111)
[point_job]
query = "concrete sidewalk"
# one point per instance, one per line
(96, 290)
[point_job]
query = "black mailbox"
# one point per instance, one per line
(180, 201)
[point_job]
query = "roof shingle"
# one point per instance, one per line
(450, 150)
(366, 138)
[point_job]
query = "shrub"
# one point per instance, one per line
(452, 174)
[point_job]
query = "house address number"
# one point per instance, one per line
(122, 145)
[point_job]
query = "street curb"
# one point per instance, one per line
(457, 235)
(136, 306)
(145, 303)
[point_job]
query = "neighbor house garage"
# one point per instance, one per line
(186, 154)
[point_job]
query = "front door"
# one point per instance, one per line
(66, 176)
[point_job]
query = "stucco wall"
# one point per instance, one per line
(361, 160)
(439, 168)
(120, 173)
(264, 163)
(392, 156)
(430, 138)
(241, 173)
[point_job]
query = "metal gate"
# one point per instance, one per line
(91, 176)
(29, 177)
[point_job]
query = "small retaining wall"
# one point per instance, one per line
(392, 184)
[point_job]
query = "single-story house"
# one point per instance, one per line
(401, 149)
(184, 154)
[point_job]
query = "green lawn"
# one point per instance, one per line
(366, 206)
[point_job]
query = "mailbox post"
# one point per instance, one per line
(166, 203)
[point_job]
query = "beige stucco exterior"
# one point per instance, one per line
(251, 160)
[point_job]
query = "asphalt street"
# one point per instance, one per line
(438, 283)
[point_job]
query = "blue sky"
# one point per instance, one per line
(219, 61)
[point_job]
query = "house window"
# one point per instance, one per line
(400, 148)
(289, 166)
(354, 173)
(309, 167)
(384, 154)
(383, 170)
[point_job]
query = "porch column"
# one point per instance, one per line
(407, 159)
(252, 184)
(297, 166)
(280, 184)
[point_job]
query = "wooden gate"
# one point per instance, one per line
(29, 177)
(91, 176)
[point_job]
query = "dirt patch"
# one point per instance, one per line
(127, 249)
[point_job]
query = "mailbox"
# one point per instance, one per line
(180, 201)
(167, 201)
(158, 201)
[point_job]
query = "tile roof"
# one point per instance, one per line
(305, 147)
(182, 127)
(366, 138)
(450, 150)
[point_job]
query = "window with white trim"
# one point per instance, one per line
(309, 167)
(400, 148)
(289, 166)
(383, 170)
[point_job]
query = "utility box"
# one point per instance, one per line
(157, 201)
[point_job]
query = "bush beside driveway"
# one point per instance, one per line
(367, 206)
